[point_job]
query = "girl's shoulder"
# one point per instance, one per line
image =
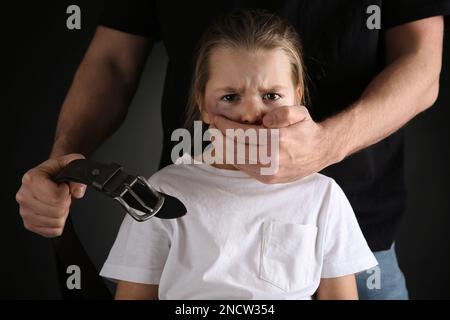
(177, 179)
(180, 170)
(320, 187)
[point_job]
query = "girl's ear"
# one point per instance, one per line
(203, 112)
(300, 93)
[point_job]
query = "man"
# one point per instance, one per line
(365, 84)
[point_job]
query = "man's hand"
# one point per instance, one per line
(304, 145)
(95, 107)
(44, 206)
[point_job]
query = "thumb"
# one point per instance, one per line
(77, 190)
(54, 165)
(65, 160)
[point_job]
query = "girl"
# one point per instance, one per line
(242, 239)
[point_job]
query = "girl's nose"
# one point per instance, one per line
(252, 113)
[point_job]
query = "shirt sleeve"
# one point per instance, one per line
(139, 252)
(345, 249)
(398, 12)
(138, 17)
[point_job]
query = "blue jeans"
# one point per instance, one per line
(384, 282)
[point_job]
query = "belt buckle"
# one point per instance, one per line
(128, 188)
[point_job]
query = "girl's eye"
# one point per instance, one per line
(229, 98)
(271, 96)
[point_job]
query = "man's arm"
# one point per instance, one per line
(99, 97)
(406, 87)
(341, 288)
(95, 106)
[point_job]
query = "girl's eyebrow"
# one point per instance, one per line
(229, 89)
(273, 88)
(269, 89)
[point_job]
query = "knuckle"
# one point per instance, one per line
(67, 202)
(19, 198)
(282, 136)
(264, 179)
(269, 179)
(27, 177)
(56, 201)
(62, 213)
(301, 108)
(287, 113)
(27, 226)
(61, 223)
(51, 233)
(23, 213)
(55, 232)
(78, 156)
(58, 213)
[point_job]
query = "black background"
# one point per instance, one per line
(41, 58)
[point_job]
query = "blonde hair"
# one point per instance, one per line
(249, 29)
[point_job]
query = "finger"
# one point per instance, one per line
(31, 218)
(77, 190)
(43, 187)
(25, 197)
(228, 150)
(285, 116)
(250, 169)
(252, 154)
(246, 154)
(255, 172)
(53, 166)
(236, 151)
(27, 200)
(44, 231)
(255, 136)
(48, 169)
(47, 191)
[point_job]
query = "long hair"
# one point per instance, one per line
(249, 29)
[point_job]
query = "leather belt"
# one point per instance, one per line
(139, 199)
(134, 194)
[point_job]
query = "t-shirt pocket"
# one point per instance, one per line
(288, 254)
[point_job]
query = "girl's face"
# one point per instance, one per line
(244, 86)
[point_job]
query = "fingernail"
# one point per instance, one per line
(79, 192)
(268, 120)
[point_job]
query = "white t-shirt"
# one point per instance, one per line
(240, 238)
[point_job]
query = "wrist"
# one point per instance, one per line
(63, 146)
(337, 132)
(331, 152)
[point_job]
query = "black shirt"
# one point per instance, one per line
(341, 56)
